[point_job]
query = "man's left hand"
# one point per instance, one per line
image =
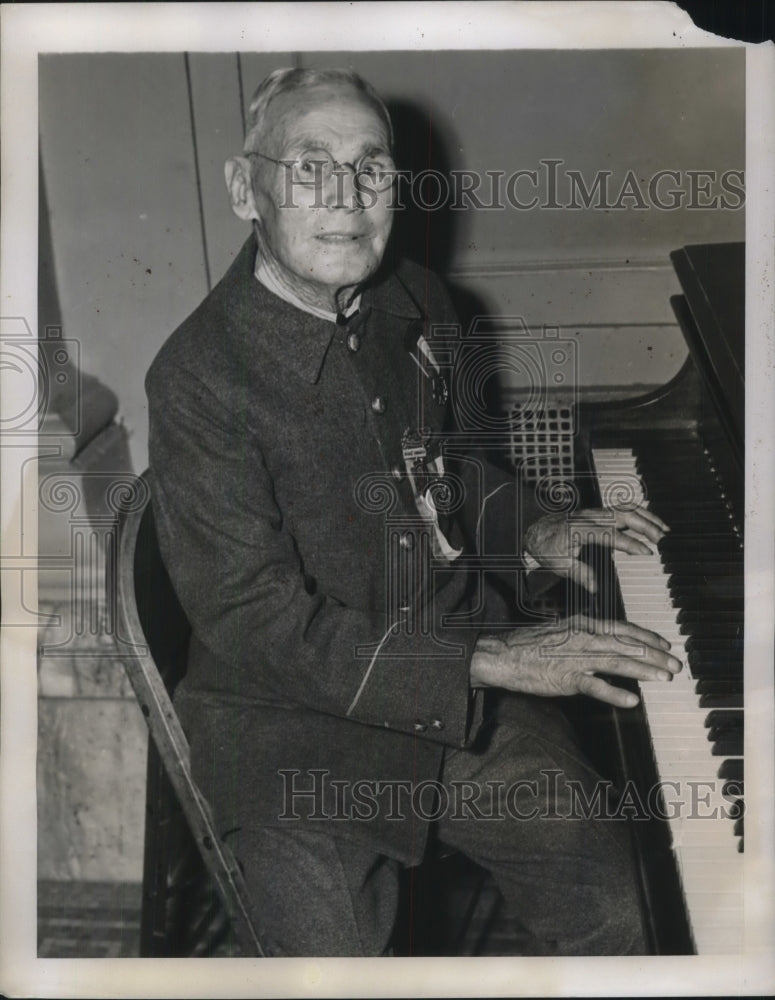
(555, 540)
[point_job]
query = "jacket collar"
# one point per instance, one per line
(297, 339)
(389, 294)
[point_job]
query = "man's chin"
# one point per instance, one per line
(337, 278)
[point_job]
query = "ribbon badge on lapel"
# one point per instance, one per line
(416, 339)
(424, 464)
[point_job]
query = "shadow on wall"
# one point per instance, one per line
(83, 451)
(74, 407)
(426, 229)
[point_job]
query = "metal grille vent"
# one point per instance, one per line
(542, 442)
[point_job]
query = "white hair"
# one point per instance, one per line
(283, 81)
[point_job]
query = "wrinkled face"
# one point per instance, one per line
(332, 235)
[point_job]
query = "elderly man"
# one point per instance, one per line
(321, 534)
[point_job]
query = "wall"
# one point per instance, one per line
(133, 147)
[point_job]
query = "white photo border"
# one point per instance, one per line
(29, 29)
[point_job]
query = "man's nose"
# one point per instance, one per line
(343, 190)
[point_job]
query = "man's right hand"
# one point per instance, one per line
(563, 659)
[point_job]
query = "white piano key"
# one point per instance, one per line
(701, 825)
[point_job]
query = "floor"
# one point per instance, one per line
(102, 919)
(88, 919)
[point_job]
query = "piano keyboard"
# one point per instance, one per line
(696, 720)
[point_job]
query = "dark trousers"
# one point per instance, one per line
(525, 805)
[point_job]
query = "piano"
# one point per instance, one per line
(679, 451)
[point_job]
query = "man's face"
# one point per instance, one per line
(331, 237)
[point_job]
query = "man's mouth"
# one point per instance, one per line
(339, 237)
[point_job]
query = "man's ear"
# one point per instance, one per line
(237, 174)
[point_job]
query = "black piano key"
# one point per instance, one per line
(733, 729)
(740, 848)
(720, 684)
(716, 682)
(677, 558)
(688, 614)
(661, 492)
(693, 616)
(731, 770)
(715, 650)
(689, 565)
(654, 468)
(728, 621)
(718, 644)
(728, 747)
(687, 606)
(711, 519)
(705, 495)
(740, 819)
(649, 455)
(693, 516)
(698, 582)
(708, 630)
(698, 576)
(707, 589)
(730, 606)
(663, 496)
(731, 700)
(720, 533)
(715, 525)
(683, 585)
(712, 660)
(714, 656)
(715, 674)
(721, 717)
(715, 661)
(706, 490)
(688, 450)
(693, 531)
(684, 569)
(709, 672)
(701, 544)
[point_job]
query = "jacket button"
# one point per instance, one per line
(437, 724)
(353, 342)
(406, 541)
(420, 727)
(378, 404)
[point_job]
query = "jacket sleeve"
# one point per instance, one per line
(240, 580)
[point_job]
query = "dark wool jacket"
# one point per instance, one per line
(328, 644)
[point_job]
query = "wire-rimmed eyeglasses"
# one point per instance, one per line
(315, 167)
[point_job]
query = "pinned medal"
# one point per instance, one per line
(416, 338)
(414, 446)
(424, 463)
(439, 389)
